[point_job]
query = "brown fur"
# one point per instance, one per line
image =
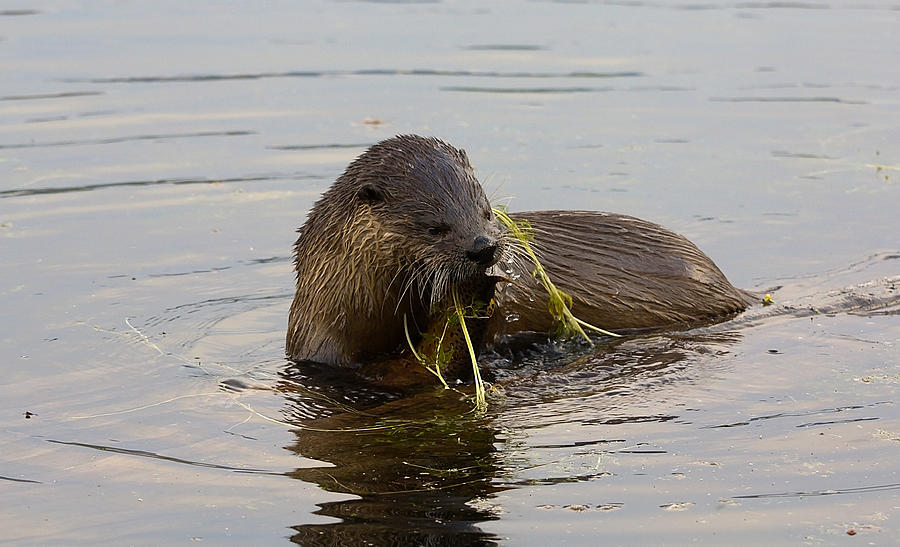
(389, 238)
(408, 221)
(623, 273)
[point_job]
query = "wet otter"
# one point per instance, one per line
(408, 221)
(405, 223)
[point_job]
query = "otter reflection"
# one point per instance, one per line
(416, 462)
(424, 467)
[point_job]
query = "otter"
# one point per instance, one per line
(408, 222)
(405, 223)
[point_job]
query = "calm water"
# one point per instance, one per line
(156, 161)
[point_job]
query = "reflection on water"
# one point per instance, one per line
(616, 374)
(156, 162)
(416, 468)
(424, 468)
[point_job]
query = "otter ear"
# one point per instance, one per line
(369, 193)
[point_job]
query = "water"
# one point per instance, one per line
(155, 163)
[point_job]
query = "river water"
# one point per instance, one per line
(157, 158)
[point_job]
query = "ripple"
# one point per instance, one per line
(13, 479)
(100, 186)
(18, 12)
(154, 455)
(61, 95)
(504, 47)
(115, 140)
(474, 89)
(781, 5)
(751, 99)
(829, 492)
(800, 155)
(333, 146)
(365, 72)
(816, 412)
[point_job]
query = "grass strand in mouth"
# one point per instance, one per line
(559, 306)
(480, 398)
(560, 302)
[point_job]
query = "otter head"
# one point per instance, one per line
(404, 224)
(430, 211)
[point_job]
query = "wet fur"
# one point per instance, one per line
(623, 274)
(390, 239)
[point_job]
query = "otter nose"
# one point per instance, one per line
(482, 251)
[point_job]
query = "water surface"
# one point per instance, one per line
(156, 162)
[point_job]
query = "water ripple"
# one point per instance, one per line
(154, 455)
(61, 95)
(17, 12)
(504, 47)
(114, 140)
(99, 186)
(830, 492)
(13, 479)
(801, 414)
(751, 99)
(333, 146)
(473, 89)
(364, 72)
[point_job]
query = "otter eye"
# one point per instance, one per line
(369, 193)
(438, 230)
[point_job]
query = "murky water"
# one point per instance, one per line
(156, 160)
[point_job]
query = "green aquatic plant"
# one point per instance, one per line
(480, 398)
(441, 351)
(441, 355)
(560, 302)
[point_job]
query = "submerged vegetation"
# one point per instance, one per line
(440, 348)
(440, 345)
(441, 354)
